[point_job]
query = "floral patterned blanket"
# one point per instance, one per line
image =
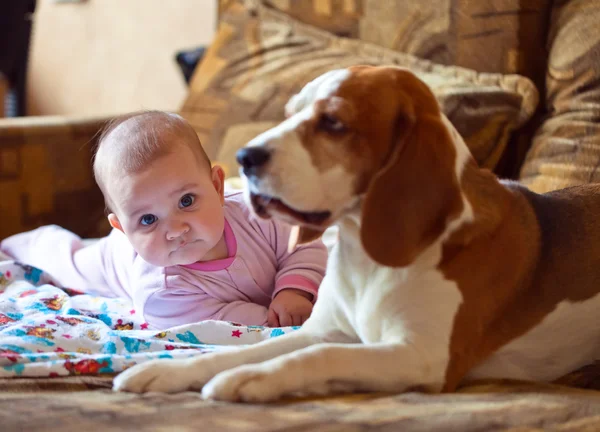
(47, 331)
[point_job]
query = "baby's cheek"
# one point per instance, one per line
(149, 248)
(214, 224)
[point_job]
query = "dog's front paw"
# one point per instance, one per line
(249, 383)
(165, 376)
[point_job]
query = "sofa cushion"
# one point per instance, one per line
(503, 36)
(260, 57)
(566, 148)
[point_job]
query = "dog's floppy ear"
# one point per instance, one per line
(411, 198)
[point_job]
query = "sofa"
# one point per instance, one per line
(520, 80)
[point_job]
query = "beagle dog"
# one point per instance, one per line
(441, 273)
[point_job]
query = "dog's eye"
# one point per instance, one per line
(331, 124)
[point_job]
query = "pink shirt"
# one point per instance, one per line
(238, 288)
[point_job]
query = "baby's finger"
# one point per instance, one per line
(272, 319)
(296, 320)
(306, 314)
(285, 320)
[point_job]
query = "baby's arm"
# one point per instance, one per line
(63, 255)
(185, 305)
(303, 268)
(299, 274)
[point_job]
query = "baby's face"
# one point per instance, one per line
(172, 212)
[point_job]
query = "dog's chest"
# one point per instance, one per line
(380, 303)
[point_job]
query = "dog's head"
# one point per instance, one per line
(368, 137)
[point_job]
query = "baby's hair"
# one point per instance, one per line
(131, 142)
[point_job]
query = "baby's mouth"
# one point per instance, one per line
(265, 205)
(185, 243)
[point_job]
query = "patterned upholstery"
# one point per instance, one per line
(76, 403)
(566, 148)
(502, 36)
(46, 177)
(260, 57)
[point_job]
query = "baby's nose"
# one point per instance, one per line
(177, 229)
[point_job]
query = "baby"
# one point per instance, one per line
(182, 249)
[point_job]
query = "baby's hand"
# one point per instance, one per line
(290, 307)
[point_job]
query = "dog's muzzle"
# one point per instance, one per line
(267, 206)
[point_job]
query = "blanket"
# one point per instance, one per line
(81, 340)
(49, 331)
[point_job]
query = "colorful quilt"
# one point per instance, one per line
(47, 331)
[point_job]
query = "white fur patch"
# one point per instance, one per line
(565, 340)
(413, 306)
(319, 88)
(291, 175)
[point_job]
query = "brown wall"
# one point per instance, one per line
(101, 57)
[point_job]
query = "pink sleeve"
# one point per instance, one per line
(187, 303)
(303, 268)
(63, 255)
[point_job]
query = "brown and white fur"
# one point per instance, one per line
(441, 273)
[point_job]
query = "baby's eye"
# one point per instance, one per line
(187, 200)
(148, 219)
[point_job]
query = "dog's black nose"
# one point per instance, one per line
(252, 158)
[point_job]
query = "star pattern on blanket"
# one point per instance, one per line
(46, 330)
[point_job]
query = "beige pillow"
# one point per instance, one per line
(260, 57)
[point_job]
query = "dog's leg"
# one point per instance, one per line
(329, 368)
(177, 375)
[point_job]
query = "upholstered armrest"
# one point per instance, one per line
(46, 175)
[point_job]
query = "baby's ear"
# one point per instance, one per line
(114, 222)
(221, 165)
(218, 180)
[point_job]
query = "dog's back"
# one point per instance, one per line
(569, 222)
